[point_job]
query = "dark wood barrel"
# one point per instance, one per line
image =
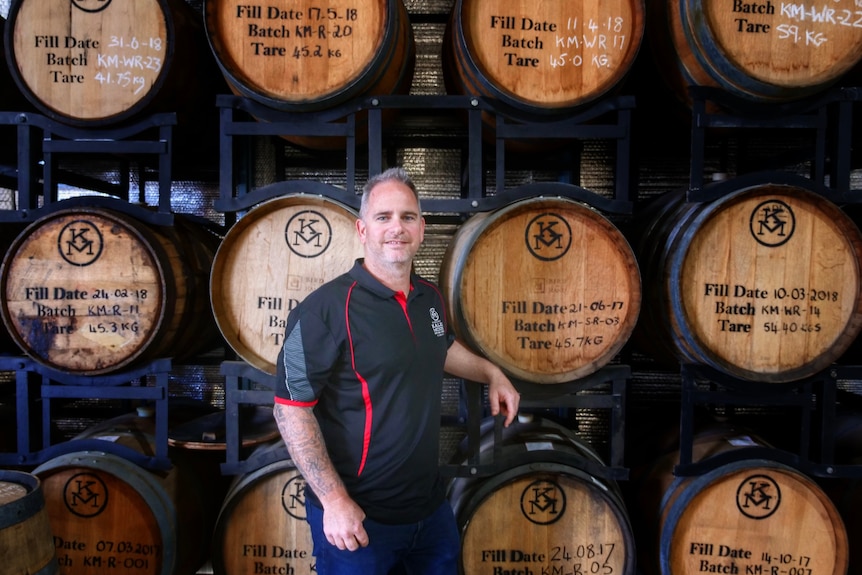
(845, 490)
(751, 515)
(273, 257)
(761, 284)
(26, 540)
(94, 63)
(109, 514)
(542, 515)
(90, 291)
(543, 59)
(761, 51)
(261, 527)
(305, 56)
(546, 288)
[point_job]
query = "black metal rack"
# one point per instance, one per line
(607, 120)
(828, 117)
(43, 141)
(52, 384)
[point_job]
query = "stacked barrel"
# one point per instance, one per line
(756, 277)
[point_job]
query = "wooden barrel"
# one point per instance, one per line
(109, 514)
(542, 515)
(759, 51)
(91, 291)
(542, 59)
(546, 288)
(262, 526)
(304, 56)
(846, 491)
(746, 516)
(93, 62)
(26, 540)
(762, 284)
(274, 256)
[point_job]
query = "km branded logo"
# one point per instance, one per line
(80, 243)
(543, 502)
(308, 234)
(548, 236)
(85, 495)
(772, 223)
(758, 496)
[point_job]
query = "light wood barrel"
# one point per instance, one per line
(26, 540)
(541, 58)
(273, 257)
(760, 51)
(262, 526)
(94, 62)
(546, 288)
(307, 56)
(91, 291)
(746, 516)
(109, 514)
(762, 284)
(547, 515)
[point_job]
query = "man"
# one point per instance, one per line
(358, 399)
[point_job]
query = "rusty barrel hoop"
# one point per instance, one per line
(90, 291)
(547, 288)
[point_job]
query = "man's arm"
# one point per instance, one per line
(502, 395)
(342, 517)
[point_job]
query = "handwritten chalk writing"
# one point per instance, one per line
(823, 14)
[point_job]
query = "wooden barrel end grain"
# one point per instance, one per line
(547, 288)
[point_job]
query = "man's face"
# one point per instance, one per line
(392, 229)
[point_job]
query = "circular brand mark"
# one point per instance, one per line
(91, 5)
(548, 236)
(80, 243)
(758, 496)
(543, 502)
(85, 495)
(772, 223)
(293, 497)
(308, 234)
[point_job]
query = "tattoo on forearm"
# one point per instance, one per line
(301, 434)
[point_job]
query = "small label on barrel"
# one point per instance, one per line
(90, 63)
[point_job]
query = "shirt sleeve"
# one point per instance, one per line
(305, 361)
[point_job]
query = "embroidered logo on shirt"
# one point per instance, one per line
(437, 323)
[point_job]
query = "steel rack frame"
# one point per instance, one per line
(41, 139)
(53, 384)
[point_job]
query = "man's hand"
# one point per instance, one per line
(342, 524)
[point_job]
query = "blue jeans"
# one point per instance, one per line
(429, 547)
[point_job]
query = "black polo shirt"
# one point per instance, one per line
(371, 364)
